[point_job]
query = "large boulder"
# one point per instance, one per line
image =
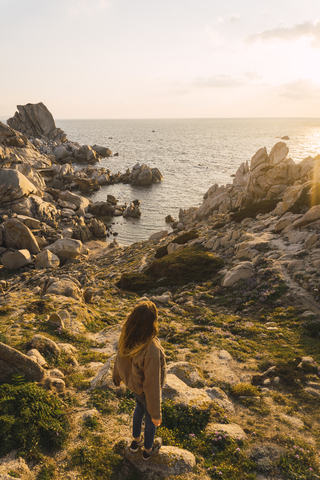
(102, 151)
(14, 186)
(169, 461)
(188, 373)
(65, 249)
(15, 260)
(18, 235)
(36, 120)
(81, 202)
(65, 288)
(47, 259)
(241, 272)
(176, 390)
(13, 361)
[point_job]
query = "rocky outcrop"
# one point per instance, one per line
(13, 361)
(36, 120)
(17, 235)
(144, 175)
(168, 461)
(14, 186)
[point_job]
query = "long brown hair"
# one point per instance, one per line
(139, 329)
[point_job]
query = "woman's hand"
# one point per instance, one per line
(157, 423)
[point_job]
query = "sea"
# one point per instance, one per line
(191, 154)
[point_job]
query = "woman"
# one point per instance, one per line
(140, 364)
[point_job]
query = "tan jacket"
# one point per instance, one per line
(144, 374)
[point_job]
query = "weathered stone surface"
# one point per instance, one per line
(132, 211)
(29, 221)
(43, 344)
(19, 236)
(188, 373)
(14, 260)
(168, 461)
(241, 272)
(37, 357)
(278, 153)
(101, 208)
(220, 398)
(176, 390)
(65, 249)
(14, 186)
(64, 287)
(13, 361)
(102, 151)
(47, 259)
(158, 235)
(36, 120)
(80, 202)
(232, 429)
(312, 215)
(103, 379)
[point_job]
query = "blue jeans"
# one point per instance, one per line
(149, 427)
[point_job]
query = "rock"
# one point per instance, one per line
(17, 235)
(103, 379)
(15, 260)
(232, 429)
(14, 186)
(17, 465)
(286, 220)
(47, 259)
(132, 211)
(312, 215)
(64, 287)
(220, 398)
(29, 221)
(176, 390)
(56, 373)
(294, 421)
(81, 203)
(86, 154)
(58, 384)
(101, 209)
(158, 235)
(37, 357)
(224, 355)
(169, 219)
(163, 299)
(102, 151)
(241, 272)
(44, 344)
(266, 456)
(278, 153)
(188, 373)
(169, 461)
(65, 249)
(36, 120)
(13, 361)
(61, 152)
(56, 318)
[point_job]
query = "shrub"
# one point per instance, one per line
(183, 420)
(31, 420)
(180, 240)
(186, 265)
(136, 282)
(244, 390)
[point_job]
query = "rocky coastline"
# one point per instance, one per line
(236, 282)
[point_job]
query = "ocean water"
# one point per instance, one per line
(191, 154)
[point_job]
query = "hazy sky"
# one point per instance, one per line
(161, 58)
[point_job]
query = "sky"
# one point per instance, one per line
(93, 59)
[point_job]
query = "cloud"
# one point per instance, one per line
(219, 81)
(88, 7)
(303, 30)
(234, 18)
(300, 89)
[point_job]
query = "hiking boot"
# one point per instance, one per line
(134, 447)
(155, 449)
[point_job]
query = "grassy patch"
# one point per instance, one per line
(31, 420)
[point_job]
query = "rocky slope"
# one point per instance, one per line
(237, 287)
